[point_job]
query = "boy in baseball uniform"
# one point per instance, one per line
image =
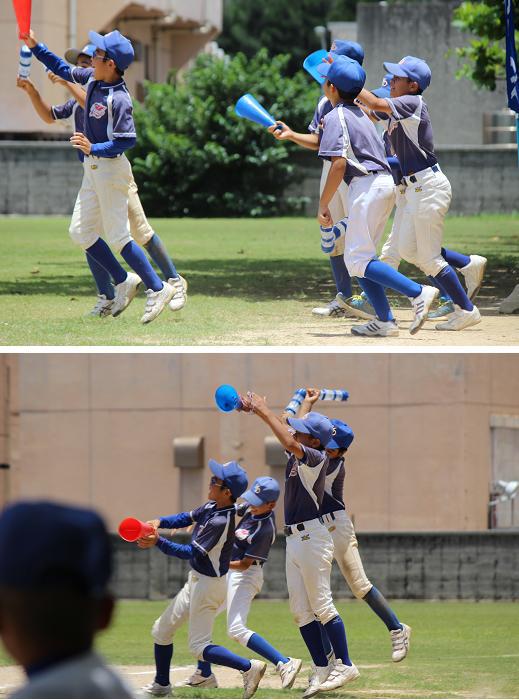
(309, 550)
(209, 555)
(351, 142)
(428, 191)
(102, 202)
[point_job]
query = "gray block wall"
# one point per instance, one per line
(422, 566)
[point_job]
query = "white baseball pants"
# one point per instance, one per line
(390, 253)
(346, 553)
(242, 588)
(102, 203)
(309, 556)
(421, 230)
(338, 205)
(370, 201)
(140, 228)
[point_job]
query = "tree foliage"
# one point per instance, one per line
(484, 57)
(195, 157)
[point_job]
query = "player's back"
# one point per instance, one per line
(304, 485)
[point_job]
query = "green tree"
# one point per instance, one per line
(484, 58)
(195, 157)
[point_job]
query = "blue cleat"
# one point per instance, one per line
(358, 305)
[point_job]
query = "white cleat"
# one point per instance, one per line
(179, 299)
(289, 671)
(102, 308)
(339, 676)
(511, 303)
(155, 690)
(473, 274)
(376, 328)
(196, 680)
(156, 302)
(125, 292)
(460, 319)
(318, 676)
(330, 310)
(252, 677)
(421, 306)
(400, 640)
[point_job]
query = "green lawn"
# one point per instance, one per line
(244, 275)
(458, 649)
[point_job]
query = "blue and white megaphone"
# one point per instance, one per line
(249, 108)
(227, 398)
(312, 61)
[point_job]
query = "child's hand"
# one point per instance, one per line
(280, 134)
(258, 403)
(324, 217)
(30, 39)
(81, 142)
(55, 78)
(312, 395)
(148, 541)
(26, 85)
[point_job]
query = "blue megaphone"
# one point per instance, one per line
(249, 108)
(227, 398)
(312, 61)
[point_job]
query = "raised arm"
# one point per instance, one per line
(42, 108)
(310, 141)
(377, 104)
(254, 403)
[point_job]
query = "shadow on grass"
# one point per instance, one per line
(251, 280)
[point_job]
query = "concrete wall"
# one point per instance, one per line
(390, 31)
(480, 566)
(98, 429)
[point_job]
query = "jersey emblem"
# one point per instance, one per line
(97, 110)
(417, 189)
(305, 537)
(242, 534)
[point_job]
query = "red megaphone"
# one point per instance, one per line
(131, 529)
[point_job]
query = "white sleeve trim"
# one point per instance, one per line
(199, 547)
(125, 135)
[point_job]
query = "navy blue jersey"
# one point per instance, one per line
(254, 536)
(394, 163)
(71, 108)
(323, 107)
(333, 498)
(304, 485)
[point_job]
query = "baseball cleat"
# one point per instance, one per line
(156, 302)
(179, 298)
(252, 677)
(376, 328)
(330, 310)
(196, 680)
(511, 303)
(289, 671)
(421, 305)
(102, 308)
(155, 690)
(400, 640)
(125, 292)
(460, 319)
(318, 675)
(357, 305)
(445, 308)
(473, 274)
(339, 676)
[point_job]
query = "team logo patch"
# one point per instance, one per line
(242, 534)
(97, 110)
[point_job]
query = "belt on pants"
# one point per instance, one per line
(411, 177)
(299, 527)
(105, 158)
(257, 563)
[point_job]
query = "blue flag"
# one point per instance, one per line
(512, 81)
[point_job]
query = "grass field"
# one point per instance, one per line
(245, 277)
(458, 650)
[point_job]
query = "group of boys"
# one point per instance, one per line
(358, 191)
(226, 562)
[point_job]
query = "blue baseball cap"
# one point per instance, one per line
(314, 424)
(348, 48)
(234, 476)
(342, 436)
(264, 490)
(117, 46)
(385, 89)
(412, 68)
(345, 73)
(45, 544)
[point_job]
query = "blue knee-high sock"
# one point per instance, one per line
(378, 299)
(380, 607)
(439, 285)
(216, 654)
(163, 656)
(337, 634)
(205, 668)
(449, 279)
(102, 254)
(101, 278)
(378, 271)
(263, 648)
(455, 259)
(341, 275)
(311, 634)
(325, 640)
(137, 260)
(158, 253)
